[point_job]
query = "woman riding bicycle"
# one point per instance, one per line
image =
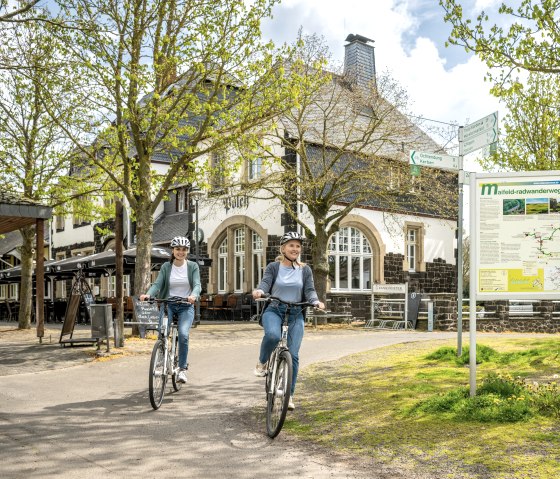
(291, 281)
(179, 277)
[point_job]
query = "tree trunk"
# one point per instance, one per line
(26, 285)
(320, 262)
(144, 229)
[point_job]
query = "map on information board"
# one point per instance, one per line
(518, 235)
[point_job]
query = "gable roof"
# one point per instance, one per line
(17, 212)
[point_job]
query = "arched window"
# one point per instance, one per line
(239, 259)
(350, 261)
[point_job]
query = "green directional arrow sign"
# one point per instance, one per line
(433, 160)
(480, 133)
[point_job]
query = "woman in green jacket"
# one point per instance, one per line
(178, 278)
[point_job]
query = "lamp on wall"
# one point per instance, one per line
(196, 195)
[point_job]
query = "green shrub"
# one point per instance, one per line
(441, 403)
(494, 408)
(546, 398)
(447, 353)
(484, 354)
(503, 386)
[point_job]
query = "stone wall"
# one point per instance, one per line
(495, 316)
(439, 277)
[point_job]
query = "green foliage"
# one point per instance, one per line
(394, 404)
(441, 403)
(483, 354)
(494, 408)
(523, 69)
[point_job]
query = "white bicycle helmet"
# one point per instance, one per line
(180, 241)
(291, 235)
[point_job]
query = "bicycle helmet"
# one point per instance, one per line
(180, 241)
(289, 236)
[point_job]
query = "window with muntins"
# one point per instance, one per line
(239, 259)
(222, 266)
(255, 168)
(217, 173)
(350, 261)
(258, 259)
(411, 248)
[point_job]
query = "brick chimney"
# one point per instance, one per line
(359, 60)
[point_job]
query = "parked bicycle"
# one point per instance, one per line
(165, 355)
(278, 381)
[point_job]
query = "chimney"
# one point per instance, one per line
(359, 60)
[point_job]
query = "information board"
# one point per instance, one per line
(145, 312)
(517, 235)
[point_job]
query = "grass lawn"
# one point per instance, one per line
(405, 404)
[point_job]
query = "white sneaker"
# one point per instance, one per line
(260, 369)
(182, 376)
(291, 405)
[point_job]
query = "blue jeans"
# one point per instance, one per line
(185, 315)
(272, 323)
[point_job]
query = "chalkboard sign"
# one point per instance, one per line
(413, 306)
(88, 299)
(70, 315)
(145, 312)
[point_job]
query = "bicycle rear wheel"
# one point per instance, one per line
(279, 397)
(176, 384)
(158, 376)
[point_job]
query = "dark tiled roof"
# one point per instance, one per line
(166, 227)
(10, 241)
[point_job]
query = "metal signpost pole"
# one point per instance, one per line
(197, 255)
(473, 284)
(196, 193)
(460, 250)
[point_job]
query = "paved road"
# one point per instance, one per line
(94, 419)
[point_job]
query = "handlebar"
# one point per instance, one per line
(266, 298)
(172, 299)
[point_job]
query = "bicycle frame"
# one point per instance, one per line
(166, 366)
(279, 375)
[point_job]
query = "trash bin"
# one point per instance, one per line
(101, 321)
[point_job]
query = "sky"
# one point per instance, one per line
(444, 83)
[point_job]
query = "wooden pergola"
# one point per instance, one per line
(15, 213)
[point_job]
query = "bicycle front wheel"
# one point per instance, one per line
(158, 375)
(176, 384)
(279, 393)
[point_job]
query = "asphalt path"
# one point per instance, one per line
(94, 419)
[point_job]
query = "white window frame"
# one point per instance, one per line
(238, 259)
(60, 286)
(181, 200)
(222, 266)
(255, 168)
(257, 262)
(414, 248)
(347, 247)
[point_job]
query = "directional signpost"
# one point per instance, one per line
(434, 160)
(481, 133)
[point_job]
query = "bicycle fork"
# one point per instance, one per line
(274, 360)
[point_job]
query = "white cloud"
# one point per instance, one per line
(439, 92)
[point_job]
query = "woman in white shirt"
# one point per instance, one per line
(178, 278)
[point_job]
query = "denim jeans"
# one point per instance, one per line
(272, 324)
(185, 315)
